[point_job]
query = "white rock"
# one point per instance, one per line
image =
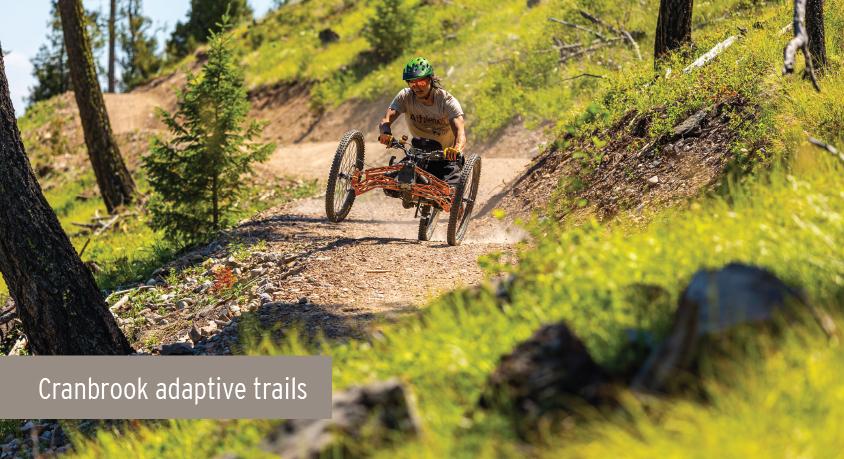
(654, 179)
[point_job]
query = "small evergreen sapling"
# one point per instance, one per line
(197, 175)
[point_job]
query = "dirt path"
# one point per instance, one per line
(371, 265)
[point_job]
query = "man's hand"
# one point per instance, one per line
(451, 153)
(385, 138)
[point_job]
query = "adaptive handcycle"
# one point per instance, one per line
(407, 180)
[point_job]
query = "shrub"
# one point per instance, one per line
(196, 176)
(388, 31)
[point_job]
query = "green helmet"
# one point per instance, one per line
(418, 67)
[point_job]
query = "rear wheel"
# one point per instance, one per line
(339, 195)
(427, 223)
(464, 200)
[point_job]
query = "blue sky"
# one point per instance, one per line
(23, 29)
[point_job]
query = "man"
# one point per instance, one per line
(434, 116)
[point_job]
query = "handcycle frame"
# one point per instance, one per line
(404, 176)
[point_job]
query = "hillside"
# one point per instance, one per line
(641, 180)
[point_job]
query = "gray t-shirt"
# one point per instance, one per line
(429, 121)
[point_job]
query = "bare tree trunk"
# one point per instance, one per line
(58, 302)
(815, 30)
(673, 27)
(801, 42)
(111, 41)
(116, 185)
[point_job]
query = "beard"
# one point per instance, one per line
(423, 93)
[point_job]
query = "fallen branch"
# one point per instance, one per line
(801, 42)
(106, 225)
(86, 225)
(632, 43)
(594, 47)
(831, 149)
(100, 224)
(139, 288)
(578, 27)
(84, 246)
(622, 32)
(583, 75)
(711, 54)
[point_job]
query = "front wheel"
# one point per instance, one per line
(464, 200)
(339, 194)
(427, 224)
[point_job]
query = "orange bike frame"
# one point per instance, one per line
(435, 190)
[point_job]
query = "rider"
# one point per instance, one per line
(434, 116)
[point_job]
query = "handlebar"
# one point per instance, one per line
(402, 145)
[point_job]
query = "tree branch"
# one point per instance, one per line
(629, 38)
(583, 75)
(579, 27)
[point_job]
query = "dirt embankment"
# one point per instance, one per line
(632, 170)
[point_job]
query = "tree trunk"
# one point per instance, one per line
(116, 185)
(673, 27)
(815, 30)
(111, 41)
(58, 302)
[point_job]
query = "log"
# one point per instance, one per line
(711, 54)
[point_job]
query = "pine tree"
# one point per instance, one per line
(204, 18)
(197, 176)
(139, 61)
(60, 306)
(115, 183)
(49, 66)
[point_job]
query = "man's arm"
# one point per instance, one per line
(459, 129)
(384, 127)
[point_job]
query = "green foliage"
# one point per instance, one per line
(139, 61)
(197, 175)
(204, 19)
(390, 29)
(8, 426)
